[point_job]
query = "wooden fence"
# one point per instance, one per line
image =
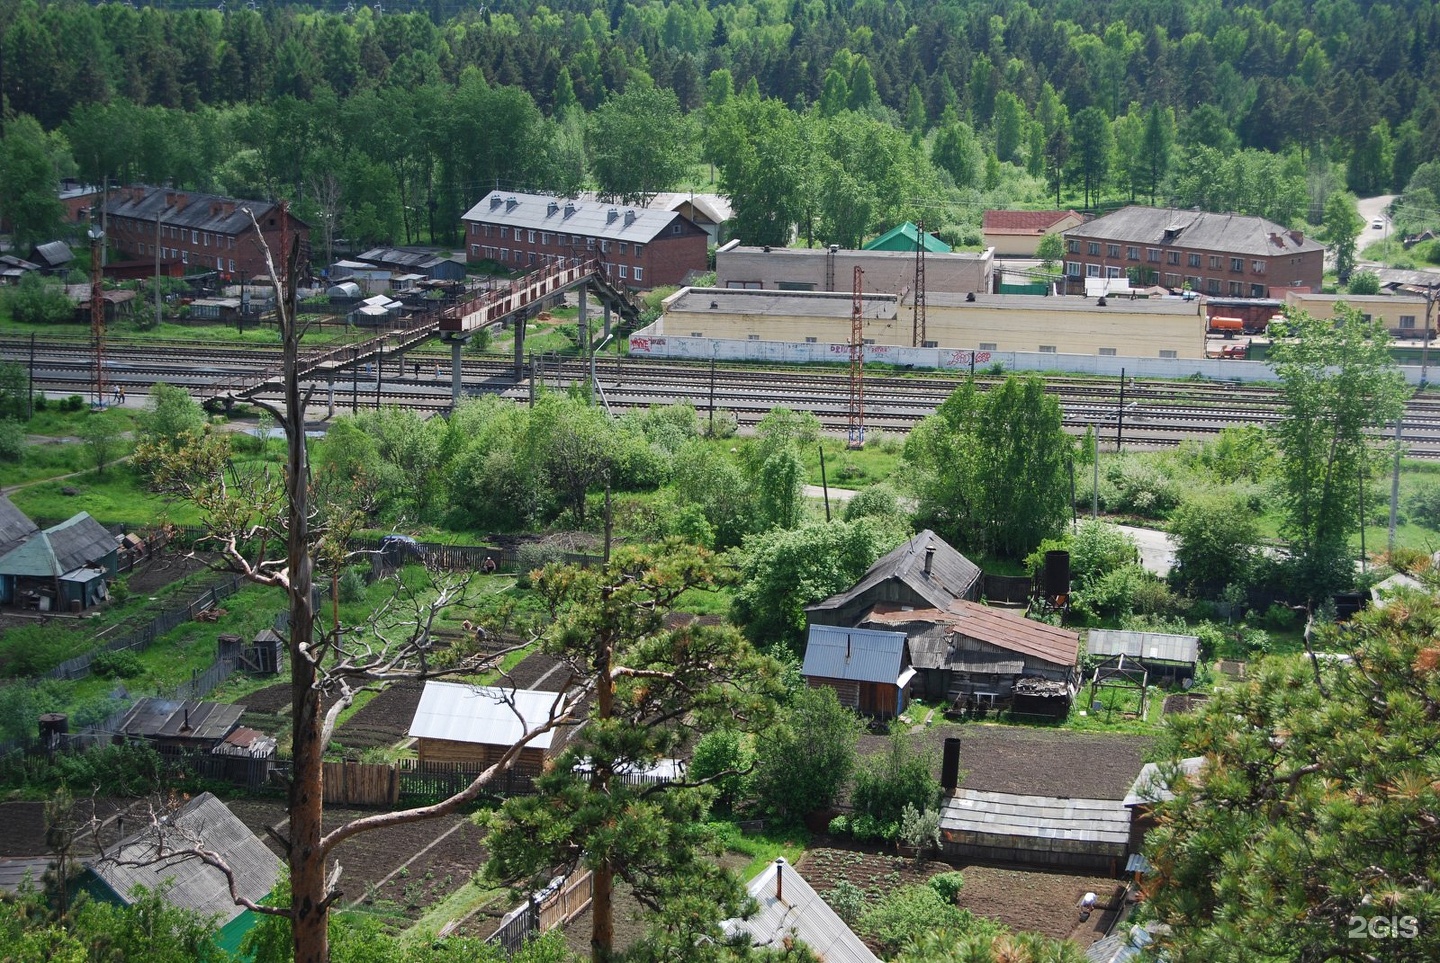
(361, 784)
(553, 906)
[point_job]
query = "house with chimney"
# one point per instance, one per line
(925, 572)
(203, 232)
(787, 910)
(639, 247)
(1217, 255)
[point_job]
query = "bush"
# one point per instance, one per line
(911, 910)
(535, 555)
(116, 665)
(848, 901)
(1423, 504)
(948, 885)
(12, 441)
(715, 753)
(72, 403)
(886, 784)
(878, 500)
(724, 424)
(1140, 487)
(920, 828)
(352, 585)
(840, 825)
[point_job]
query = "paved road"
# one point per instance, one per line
(1157, 549)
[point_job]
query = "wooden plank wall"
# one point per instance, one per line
(361, 784)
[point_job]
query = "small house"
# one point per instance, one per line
(1152, 787)
(907, 237)
(157, 855)
(65, 567)
(476, 725)
(869, 670)
(15, 529)
(1166, 657)
(1018, 233)
(53, 257)
(973, 654)
(178, 724)
(788, 910)
(923, 573)
(13, 268)
(262, 656)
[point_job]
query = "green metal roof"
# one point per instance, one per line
(903, 238)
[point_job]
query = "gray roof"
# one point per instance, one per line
(1240, 234)
(857, 655)
(156, 718)
(207, 823)
(1049, 822)
(14, 870)
(74, 543)
(1149, 646)
(951, 575)
(15, 526)
(54, 253)
(399, 257)
(201, 212)
(1151, 785)
(541, 212)
(791, 304)
(1126, 945)
(797, 913)
(479, 714)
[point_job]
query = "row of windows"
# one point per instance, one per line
(1104, 352)
(1152, 254)
(506, 256)
(547, 239)
(1212, 286)
(181, 234)
(205, 260)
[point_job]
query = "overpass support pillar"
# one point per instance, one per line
(582, 323)
(607, 322)
(518, 322)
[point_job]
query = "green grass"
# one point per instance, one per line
(763, 847)
(115, 496)
(464, 900)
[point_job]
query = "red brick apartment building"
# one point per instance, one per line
(201, 231)
(1218, 255)
(640, 248)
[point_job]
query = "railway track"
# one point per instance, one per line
(1156, 414)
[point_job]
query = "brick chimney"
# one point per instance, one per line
(1298, 237)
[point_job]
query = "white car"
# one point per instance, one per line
(1378, 224)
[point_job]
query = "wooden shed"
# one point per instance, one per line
(62, 568)
(475, 725)
(181, 724)
(869, 670)
(925, 572)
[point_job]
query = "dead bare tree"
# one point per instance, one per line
(273, 533)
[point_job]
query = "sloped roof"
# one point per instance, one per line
(1063, 824)
(203, 212)
(904, 237)
(857, 655)
(951, 575)
(480, 714)
(204, 822)
(1001, 628)
(15, 870)
(585, 218)
(1157, 646)
(72, 544)
(156, 718)
(1231, 233)
(797, 912)
(1030, 223)
(399, 257)
(54, 253)
(15, 526)
(1151, 786)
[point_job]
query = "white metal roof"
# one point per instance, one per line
(620, 222)
(1151, 785)
(797, 912)
(488, 715)
(1157, 646)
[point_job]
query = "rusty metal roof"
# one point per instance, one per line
(1001, 628)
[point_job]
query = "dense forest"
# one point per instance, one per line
(836, 115)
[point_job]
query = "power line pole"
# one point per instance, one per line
(917, 336)
(856, 434)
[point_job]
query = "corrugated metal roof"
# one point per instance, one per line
(857, 655)
(154, 718)
(1025, 222)
(1231, 233)
(1054, 819)
(197, 886)
(797, 913)
(1001, 628)
(15, 526)
(951, 575)
(80, 540)
(904, 237)
(540, 212)
(481, 714)
(54, 253)
(1151, 785)
(15, 870)
(204, 212)
(1155, 646)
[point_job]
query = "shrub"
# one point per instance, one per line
(948, 885)
(716, 752)
(116, 665)
(886, 784)
(875, 500)
(905, 912)
(848, 901)
(352, 585)
(724, 424)
(920, 828)
(535, 555)
(1423, 504)
(72, 403)
(840, 825)
(12, 441)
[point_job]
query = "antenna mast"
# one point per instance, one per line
(856, 435)
(918, 334)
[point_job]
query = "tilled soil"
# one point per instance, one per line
(384, 720)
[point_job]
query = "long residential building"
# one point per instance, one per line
(640, 248)
(1218, 255)
(204, 232)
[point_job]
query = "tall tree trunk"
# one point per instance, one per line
(602, 899)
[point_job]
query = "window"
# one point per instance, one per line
(1172, 257)
(1172, 280)
(1132, 253)
(1237, 264)
(638, 249)
(697, 334)
(638, 272)
(1407, 320)
(545, 237)
(1152, 254)
(532, 257)
(1168, 354)
(1257, 290)
(504, 254)
(1073, 246)
(1107, 352)
(1072, 269)
(1216, 262)
(1194, 283)
(232, 266)
(1092, 270)
(811, 340)
(504, 233)
(1112, 250)
(1257, 267)
(530, 236)
(867, 341)
(987, 345)
(604, 247)
(184, 257)
(676, 228)
(589, 244)
(929, 344)
(207, 240)
(487, 230)
(1212, 286)
(1047, 349)
(1234, 289)
(1193, 260)
(1112, 272)
(623, 245)
(752, 337)
(1093, 248)
(624, 272)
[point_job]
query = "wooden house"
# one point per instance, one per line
(156, 852)
(923, 573)
(476, 725)
(869, 670)
(973, 654)
(65, 567)
(177, 724)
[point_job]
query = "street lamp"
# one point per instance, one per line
(97, 310)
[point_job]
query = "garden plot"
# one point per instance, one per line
(384, 720)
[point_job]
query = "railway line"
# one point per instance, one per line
(1156, 414)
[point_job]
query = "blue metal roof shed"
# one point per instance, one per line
(869, 670)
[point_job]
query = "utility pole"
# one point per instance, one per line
(917, 334)
(1430, 295)
(1120, 414)
(856, 434)
(1394, 485)
(97, 311)
(158, 212)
